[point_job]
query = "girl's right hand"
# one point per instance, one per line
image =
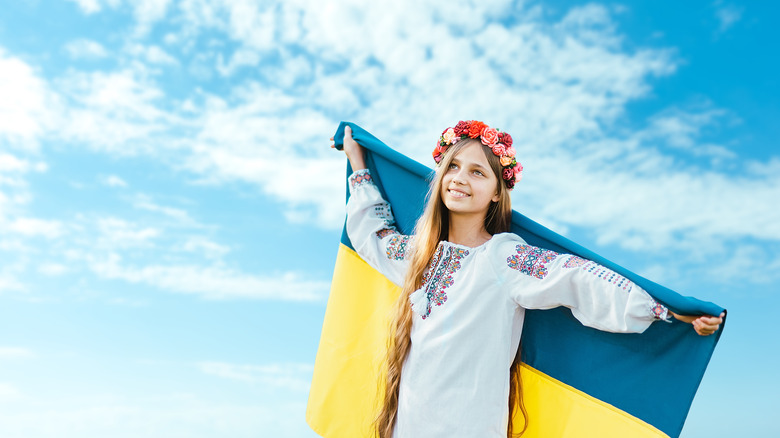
(353, 150)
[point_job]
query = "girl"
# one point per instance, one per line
(453, 358)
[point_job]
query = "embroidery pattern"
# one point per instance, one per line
(384, 232)
(396, 247)
(531, 260)
(439, 275)
(609, 275)
(360, 178)
(382, 211)
(658, 311)
(575, 262)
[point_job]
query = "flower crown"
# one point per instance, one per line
(498, 142)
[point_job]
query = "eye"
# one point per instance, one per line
(479, 172)
(453, 166)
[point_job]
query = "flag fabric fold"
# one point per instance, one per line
(577, 381)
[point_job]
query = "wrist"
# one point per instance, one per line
(356, 161)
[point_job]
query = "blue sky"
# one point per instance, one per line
(170, 209)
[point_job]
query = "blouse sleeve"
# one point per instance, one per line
(598, 297)
(371, 228)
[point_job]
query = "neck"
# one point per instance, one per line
(467, 230)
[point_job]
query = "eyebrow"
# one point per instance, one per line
(477, 165)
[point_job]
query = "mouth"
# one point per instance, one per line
(457, 193)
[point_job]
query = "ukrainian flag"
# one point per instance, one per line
(577, 381)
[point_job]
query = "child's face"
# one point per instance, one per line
(469, 185)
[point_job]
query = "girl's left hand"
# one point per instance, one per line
(704, 325)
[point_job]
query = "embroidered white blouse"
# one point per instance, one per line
(455, 381)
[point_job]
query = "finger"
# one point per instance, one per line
(712, 327)
(331, 139)
(703, 331)
(704, 328)
(709, 321)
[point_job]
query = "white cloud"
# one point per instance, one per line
(88, 6)
(25, 107)
(114, 181)
(145, 202)
(206, 247)
(114, 111)
(152, 54)
(15, 353)
(10, 163)
(34, 227)
(241, 58)
(8, 282)
(118, 233)
(727, 15)
(52, 269)
(147, 12)
(213, 282)
(288, 376)
(561, 88)
(189, 415)
(83, 48)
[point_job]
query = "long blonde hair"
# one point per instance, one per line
(431, 228)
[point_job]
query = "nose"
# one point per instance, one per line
(458, 178)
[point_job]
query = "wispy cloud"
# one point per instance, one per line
(113, 181)
(152, 54)
(52, 269)
(9, 282)
(213, 282)
(727, 15)
(115, 111)
(89, 6)
(83, 48)
(25, 110)
(34, 227)
(182, 217)
(289, 376)
(15, 353)
(116, 233)
(190, 415)
(560, 87)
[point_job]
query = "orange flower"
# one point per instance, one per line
(475, 128)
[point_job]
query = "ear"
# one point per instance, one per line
(495, 197)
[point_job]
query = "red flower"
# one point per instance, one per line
(510, 184)
(506, 139)
(462, 128)
(499, 149)
(508, 174)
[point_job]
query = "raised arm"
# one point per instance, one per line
(353, 150)
(370, 223)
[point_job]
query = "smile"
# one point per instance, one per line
(457, 193)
